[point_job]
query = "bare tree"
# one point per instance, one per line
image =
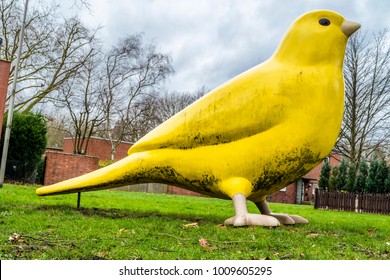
(55, 50)
(82, 3)
(144, 117)
(366, 120)
(171, 103)
(81, 97)
(57, 128)
(153, 109)
(133, 70)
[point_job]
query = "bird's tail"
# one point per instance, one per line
(118, 174)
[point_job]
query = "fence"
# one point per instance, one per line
(357, 202)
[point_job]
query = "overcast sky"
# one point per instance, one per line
(211, 41)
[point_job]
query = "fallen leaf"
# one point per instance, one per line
(123, 230)
(203, 242)
(102, 255)
(191, 225)
(313, 235)
(302, 255)
(16, 238)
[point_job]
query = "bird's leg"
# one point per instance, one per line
(282, 218)
(243, 218)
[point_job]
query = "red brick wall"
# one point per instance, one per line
(121, 150)
(4, 77)
(68, 146)
(180, 191)
(100, 148)
(287, 196)
(62, 166)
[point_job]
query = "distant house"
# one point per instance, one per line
(302, 191)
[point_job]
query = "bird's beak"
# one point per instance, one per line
(349, 27)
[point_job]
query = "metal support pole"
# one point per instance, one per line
(78, 200)
(12, 100)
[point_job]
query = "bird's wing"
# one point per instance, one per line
(249, 104)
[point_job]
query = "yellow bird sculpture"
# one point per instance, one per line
(251, 136)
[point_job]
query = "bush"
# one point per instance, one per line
(369, 178)
(333, 178)
(372, 178)
(341, 179)
(351, 177)
(361, 177)
(26, 146)
(377, 176)
(40, 174)
(104, 163)
(323, 183)
(381, 176)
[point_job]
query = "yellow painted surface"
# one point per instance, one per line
(252, 135)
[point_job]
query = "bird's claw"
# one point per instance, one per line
(285, 219)
(252, 220)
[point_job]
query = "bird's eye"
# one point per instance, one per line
(324, 21)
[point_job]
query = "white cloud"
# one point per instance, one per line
(211, 41)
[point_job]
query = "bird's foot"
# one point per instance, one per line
(248, 219)
(285, 219)
(243, 218)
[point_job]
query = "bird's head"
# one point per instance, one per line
(316, 37)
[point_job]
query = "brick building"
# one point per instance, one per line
(4, 77)
(302, 191)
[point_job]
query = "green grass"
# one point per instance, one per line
(122, 225)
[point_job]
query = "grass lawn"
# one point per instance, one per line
(125, 226)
